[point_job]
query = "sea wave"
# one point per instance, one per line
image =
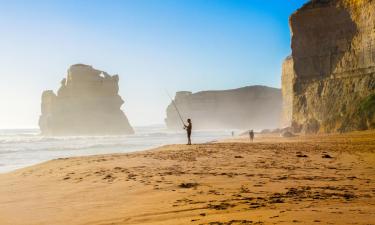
(25, 149)
(19, 148)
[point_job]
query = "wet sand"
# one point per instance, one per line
(322, 179)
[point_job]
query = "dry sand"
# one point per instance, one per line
(324, 179)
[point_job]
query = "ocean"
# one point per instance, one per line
(25, 147)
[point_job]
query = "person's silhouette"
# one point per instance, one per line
(251, 134)
(188, 128)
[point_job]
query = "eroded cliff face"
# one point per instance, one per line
(287, 79)
(87, 103)
(255, 107)
(333, 51)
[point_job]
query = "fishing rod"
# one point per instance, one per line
(175, 106)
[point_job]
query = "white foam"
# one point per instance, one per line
(20, 148)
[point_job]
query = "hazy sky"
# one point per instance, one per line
(152, 44)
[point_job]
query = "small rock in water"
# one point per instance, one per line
(287, 134)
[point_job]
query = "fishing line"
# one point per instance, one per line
(175, 106)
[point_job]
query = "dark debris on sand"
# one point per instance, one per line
(301, 155)
(188, 185)
(234, 222)
(326, 156)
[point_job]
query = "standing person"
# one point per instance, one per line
(188, 129)
(251, 134)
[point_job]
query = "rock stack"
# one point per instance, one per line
(87, 103)
(254, 107)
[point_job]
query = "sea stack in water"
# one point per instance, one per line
(332, 67)
(87, 103)
(254, 107)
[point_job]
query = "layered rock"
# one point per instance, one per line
(333, 52)
(254, 107)
(87, 103)
(287, 79)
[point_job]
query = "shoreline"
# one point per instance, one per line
(241, 138)
(271, 181)
(19, 151)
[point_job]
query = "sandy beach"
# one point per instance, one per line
(320, 179)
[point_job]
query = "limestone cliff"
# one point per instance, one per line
(254, 107)
(287, 79)
(333, 52)
(87, 103)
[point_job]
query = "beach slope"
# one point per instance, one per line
(321, 179)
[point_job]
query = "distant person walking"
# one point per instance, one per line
(251, 135)
(188, 129)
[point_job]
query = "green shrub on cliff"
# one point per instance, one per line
(363, 117)
(367, 109)
(368, 105)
